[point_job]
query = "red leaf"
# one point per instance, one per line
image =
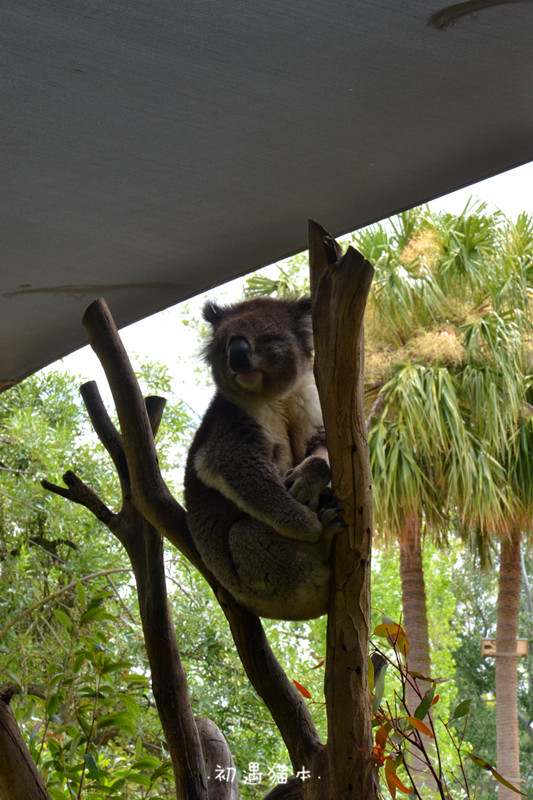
(399, 785)
(305, 692)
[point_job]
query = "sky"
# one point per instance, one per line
(165, 339)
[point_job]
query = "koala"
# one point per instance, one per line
(257, 473)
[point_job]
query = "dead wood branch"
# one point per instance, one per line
(145, 549)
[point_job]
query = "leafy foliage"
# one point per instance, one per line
(402, 741)
(449, 329)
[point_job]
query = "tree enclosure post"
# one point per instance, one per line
(339, 288)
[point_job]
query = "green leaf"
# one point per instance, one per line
(63, 618)
(96, 602)
(134, 678)
(96, 613)
(57, 794)
(122, 719)
(485, 765)
(53, 703)
(118, 784)
(148, 762)
(140, 778)
(131, 703)
(92, 767)
(78, 661)
(80, 591)
(115, 665)
(425, 705)
(419, 676)
(53, 746)
(462, 709)
(165, 768)
(379, 689)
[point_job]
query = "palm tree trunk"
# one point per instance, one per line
(415, 620)
(506, 665)
(415, 624)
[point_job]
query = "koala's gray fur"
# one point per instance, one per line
(254, 476)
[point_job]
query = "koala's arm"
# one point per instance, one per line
(316, 446)
(308, 479)
(234, 461)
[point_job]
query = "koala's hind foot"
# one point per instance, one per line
(307, 480)
(278, 578)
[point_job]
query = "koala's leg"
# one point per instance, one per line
(278, 577)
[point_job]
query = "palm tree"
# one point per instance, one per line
(448, 330)
(448, 336)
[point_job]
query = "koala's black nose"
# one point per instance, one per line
(240, 354)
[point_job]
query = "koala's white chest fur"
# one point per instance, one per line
(289, 422)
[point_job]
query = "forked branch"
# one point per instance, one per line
(148, 507)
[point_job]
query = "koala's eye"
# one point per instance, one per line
(269, 339)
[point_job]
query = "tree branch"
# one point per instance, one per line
(152, 498)
(19, 778)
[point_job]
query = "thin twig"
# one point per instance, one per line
(56, 594)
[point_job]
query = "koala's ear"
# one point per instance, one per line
(303, 306)
(213, 313)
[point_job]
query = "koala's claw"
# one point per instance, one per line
(306, 481)
(332, 520)
(330, 513)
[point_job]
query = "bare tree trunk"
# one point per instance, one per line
(340, 286)
(506, 665)
(19, 777)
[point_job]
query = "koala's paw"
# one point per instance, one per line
(330, 513)
(306, 481)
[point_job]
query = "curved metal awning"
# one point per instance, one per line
(151, 149)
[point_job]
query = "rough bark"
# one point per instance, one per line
(415, 619)
(340, 286)
(415, 624)
(219, 765)
(19, 778)
(506, 665)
